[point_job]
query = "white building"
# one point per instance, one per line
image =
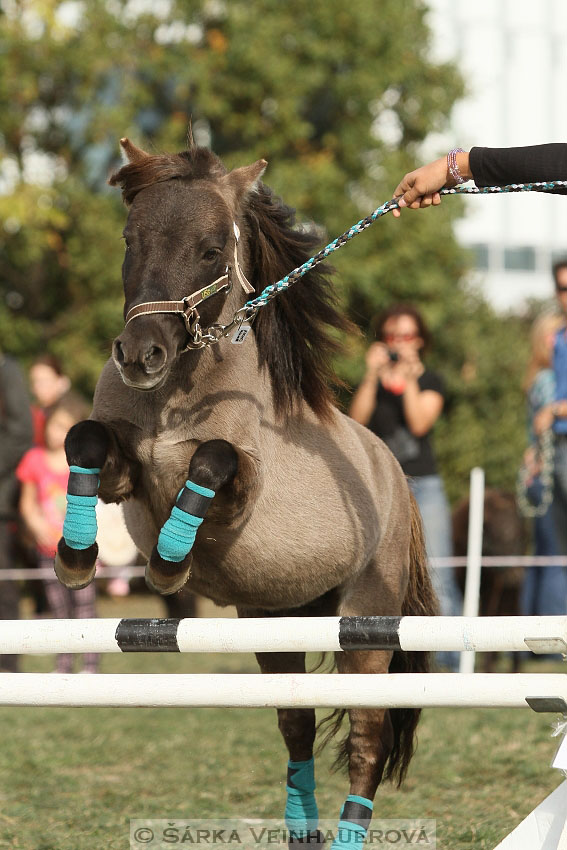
(513, 57)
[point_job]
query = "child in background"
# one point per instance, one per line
(43, 473)
(48, 384)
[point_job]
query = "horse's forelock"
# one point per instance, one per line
(196, 163)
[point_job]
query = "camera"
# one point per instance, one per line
(393, 355)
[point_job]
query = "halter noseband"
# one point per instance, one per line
(187, 306)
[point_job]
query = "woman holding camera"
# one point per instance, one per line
(400, 400)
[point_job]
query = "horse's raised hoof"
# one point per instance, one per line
(314, 839)
(75, 568)
(166, 577)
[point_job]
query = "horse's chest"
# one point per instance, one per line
(164, 462)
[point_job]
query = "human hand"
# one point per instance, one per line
(377, 359)
(44, 534)
(420, 188)
(409, 362)
(532, 463)
(543, 420)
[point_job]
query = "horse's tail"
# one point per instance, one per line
(420, 600)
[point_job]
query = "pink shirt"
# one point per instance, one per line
(51, 488)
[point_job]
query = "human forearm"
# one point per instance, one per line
(33, 516)
(421, 408)
(364, 400)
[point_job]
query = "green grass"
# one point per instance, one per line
(70, 779)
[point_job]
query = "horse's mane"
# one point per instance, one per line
(294, 332)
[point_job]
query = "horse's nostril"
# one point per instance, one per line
(118, 352)
(154, 358)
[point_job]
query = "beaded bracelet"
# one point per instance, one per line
(453, 167)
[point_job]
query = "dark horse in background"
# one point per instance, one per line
(505, 533)
(301, 510)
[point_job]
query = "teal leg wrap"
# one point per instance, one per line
(301, 815)
(79, 527)
(177, 536)
(353, 824)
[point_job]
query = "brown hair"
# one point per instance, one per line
(49, 360)
(560, 264)
(71, 403)
(401, 309)
(540, 352)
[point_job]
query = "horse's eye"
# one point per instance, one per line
(212, 254)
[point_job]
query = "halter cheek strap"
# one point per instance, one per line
(187, 306)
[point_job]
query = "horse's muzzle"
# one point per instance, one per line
(144, 367)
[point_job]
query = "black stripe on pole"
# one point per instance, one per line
(369, 632)
(155, 635)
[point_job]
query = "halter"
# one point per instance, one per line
(187, 306)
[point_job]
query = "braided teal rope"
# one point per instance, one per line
(274, 289)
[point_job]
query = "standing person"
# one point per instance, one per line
(15, 438)
(44, 474)
(48, 384)
(400, 400)
(555, 414)
(544, 590)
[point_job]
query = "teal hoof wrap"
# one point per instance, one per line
(301, 815)
(177, 536)
(79, 527)
(356, 815)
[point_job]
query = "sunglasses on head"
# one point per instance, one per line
(399, 338)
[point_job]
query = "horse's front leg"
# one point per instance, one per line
(89, 446)
(215, 465)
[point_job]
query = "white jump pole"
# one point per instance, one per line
(285, 634)
(474, 556)
(283, 690)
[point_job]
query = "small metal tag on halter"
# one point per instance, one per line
(240, 334)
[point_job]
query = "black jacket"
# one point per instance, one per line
(16, 431)
(532, 164)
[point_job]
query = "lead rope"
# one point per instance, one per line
(527, 508)
(271, 291)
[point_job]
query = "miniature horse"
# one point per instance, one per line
(237, 472)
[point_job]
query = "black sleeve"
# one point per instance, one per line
(537, 163)
(432, 381)
(16, 430)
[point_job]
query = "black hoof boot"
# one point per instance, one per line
(167, 577)
(75, 568)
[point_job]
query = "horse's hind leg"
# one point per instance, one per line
(89, 446)
(368, 746)
(297, 726)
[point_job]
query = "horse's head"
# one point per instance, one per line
(181, 253)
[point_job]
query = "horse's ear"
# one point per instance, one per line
(244, 180)
(133, 153)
